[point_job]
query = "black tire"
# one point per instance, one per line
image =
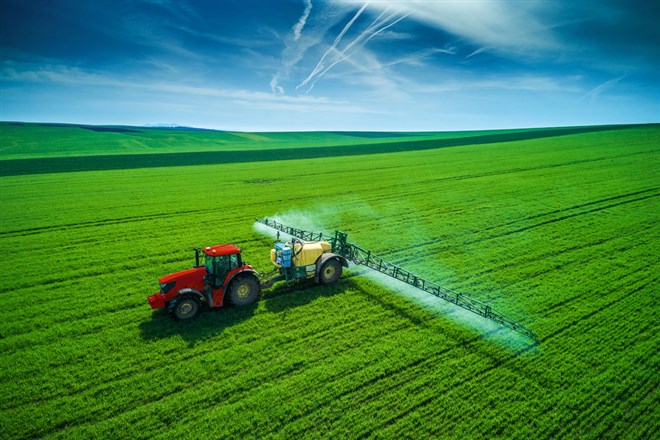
(184, 307)
(330, 272)
(245, 290)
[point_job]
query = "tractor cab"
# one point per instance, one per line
(219, 261)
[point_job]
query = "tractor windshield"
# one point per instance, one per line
(219, 266)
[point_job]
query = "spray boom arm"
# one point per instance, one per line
(357, 255)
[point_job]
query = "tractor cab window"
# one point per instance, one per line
(219, 266)
(234, 261)
(222, 262)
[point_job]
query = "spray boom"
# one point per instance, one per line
(357, 255)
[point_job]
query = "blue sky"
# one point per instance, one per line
(331, 65)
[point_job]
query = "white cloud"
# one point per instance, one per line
(13, 72)
(526, 83)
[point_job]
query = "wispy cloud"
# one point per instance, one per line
(72, 76)
(596, 91)
(504, 26)
(298, 27)
(519, 82)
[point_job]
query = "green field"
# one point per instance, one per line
(555, 228)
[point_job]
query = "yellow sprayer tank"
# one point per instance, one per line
(311, 251)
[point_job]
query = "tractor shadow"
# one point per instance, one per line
(207, 324)
(283, 297)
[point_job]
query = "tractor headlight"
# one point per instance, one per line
(166, 287)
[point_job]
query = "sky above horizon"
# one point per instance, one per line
(331, 65)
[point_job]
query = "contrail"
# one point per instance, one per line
(319, 67)
(298, 27)
(369, 33)
(334, 45)
(593, 93)
(373, 34)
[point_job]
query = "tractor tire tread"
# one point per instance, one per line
(174, 304)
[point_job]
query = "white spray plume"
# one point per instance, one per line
(264, 230)
(437, 306)
(296, 219)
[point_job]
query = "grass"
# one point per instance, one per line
(559, 233)
(24, 141)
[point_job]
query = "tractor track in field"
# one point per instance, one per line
(435, 396)
(562, 218)
(96, 223)
(410, 368)
(554, 268)
(587, 316)
(570, 208)
(114, 221)
(567, 301)
(66, 279)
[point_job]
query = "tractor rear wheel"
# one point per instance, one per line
(183, 307)
(245, 290)
(330, 272)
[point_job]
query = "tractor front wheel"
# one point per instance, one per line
(183, 307)
(245, 290)
(330, 272)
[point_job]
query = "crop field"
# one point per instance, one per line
(558, 229)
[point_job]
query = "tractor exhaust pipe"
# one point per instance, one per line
(196, 257)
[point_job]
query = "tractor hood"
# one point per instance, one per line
(186, 276)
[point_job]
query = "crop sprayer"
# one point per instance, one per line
(223, 277)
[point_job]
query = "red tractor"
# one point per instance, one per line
(224, 276)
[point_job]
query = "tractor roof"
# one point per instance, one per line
(221, 249)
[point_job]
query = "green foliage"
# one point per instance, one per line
(559, 233)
